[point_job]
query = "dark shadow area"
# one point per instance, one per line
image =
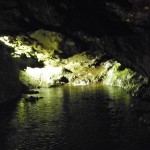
(24, 62)
(91, 17)
(6, 114)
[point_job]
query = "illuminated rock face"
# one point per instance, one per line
(77, 69)
(43, 77)
(118, 29)
(9, 76)
(123, 23)
(125, 78)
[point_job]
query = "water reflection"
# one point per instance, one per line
(73, 118)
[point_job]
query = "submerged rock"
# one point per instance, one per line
(30, 92)
(32, 99)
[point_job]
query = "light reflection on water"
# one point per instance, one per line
(72, 118)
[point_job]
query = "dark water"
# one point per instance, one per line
(74, 118)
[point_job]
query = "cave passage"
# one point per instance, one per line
(82, 71)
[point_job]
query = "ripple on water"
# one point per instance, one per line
(73, 118)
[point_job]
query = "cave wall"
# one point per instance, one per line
(124, 24)
(132, 51)
(9, 76)
(118, 27)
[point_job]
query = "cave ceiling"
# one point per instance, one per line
(123, 24)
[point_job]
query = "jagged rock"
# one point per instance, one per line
(125, 78)
(80, 69)
(118, 29)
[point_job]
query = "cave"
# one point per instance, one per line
(74, 75)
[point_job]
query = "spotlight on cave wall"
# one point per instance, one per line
(41, 77)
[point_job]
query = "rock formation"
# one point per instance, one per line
(83, 41)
